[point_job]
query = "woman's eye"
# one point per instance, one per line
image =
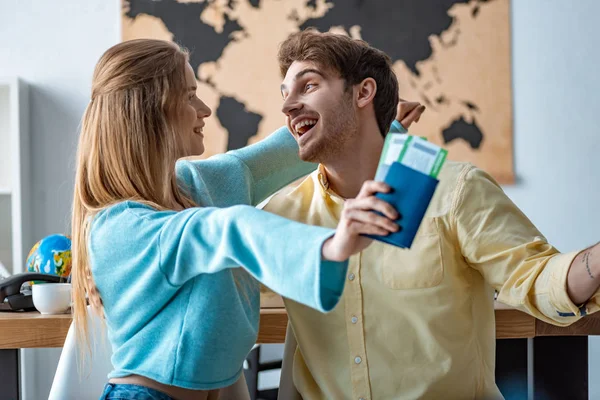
(309, 86)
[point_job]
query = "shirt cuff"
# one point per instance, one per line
(397, 127)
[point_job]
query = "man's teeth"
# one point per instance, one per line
(304, 123)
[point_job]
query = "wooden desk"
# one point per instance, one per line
(32, 329)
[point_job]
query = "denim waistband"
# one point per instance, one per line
(131, 392)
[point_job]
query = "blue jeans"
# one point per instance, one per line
(131, 392)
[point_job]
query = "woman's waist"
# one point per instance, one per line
(200, 359)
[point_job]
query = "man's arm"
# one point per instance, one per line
(583, 279)
(499, 241)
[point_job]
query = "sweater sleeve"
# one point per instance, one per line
(282, 254)
(245, 176)
(397, 127)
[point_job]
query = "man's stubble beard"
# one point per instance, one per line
(332, 142)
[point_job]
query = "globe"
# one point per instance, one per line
(51, 255)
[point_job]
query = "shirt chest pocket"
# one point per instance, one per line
(418, 267)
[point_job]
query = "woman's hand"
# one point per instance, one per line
(358, 218)
(409, 112)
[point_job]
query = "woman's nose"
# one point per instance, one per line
(204, 110)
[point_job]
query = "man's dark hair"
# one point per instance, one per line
(354, 60)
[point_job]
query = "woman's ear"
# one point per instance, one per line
(366, 92)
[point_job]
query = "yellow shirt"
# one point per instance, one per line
(419, 323)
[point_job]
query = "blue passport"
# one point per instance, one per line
(411, 194)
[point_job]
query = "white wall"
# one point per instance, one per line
(557, 125)
(55, 44)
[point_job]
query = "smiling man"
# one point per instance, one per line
(415, 323)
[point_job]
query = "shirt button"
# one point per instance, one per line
(351, 276)
(354, 320)
(357, 360)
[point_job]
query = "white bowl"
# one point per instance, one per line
(51, 298)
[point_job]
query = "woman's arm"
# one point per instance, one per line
(245, 176)
(284, 255)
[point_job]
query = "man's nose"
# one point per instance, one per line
(290, 105)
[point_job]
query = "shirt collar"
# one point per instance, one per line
(322, 175)
(324, 184)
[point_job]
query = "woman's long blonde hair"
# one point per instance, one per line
(128, 147)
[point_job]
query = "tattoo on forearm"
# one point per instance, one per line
(586, 260)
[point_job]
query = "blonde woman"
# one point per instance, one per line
(158, 243)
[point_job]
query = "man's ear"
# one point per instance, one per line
(365, 92)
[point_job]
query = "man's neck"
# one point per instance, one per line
(357, 164)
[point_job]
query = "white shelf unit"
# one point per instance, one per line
(15, 175)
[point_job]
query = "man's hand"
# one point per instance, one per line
(409, 112)
(357, 219)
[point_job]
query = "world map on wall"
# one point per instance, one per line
(451, 55)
